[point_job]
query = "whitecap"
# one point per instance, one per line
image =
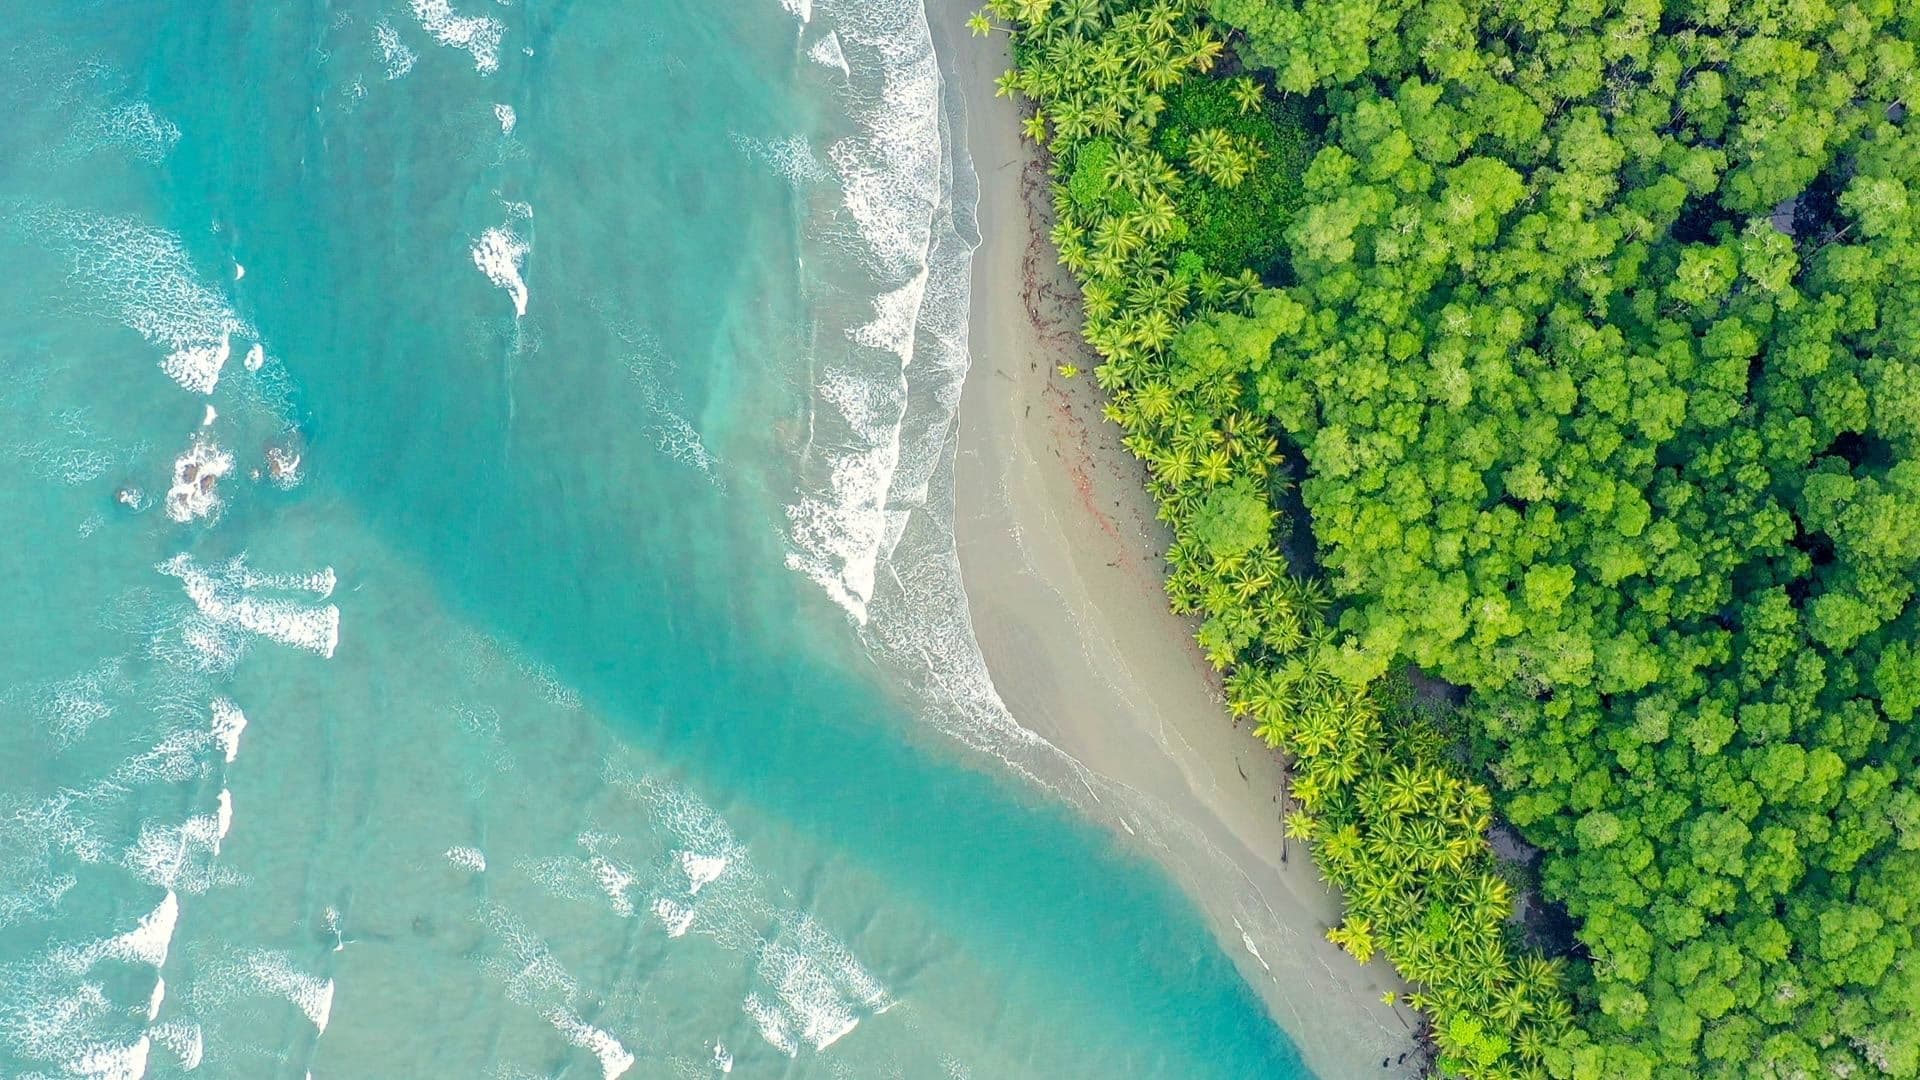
(224, 814)
(507, 117)
(675, 917)
(896, 317)
(465, 858)
(35, 898)
(615, 1059)
(68, 709)
(701, 870)
(675, 434)
(477, 34)
(320, 582)
(227, 724)
(151, 939)
(827, 53)
(177, 857)
(498, 253)
(615, 881)
(774, 1026)
(197, 367)
(223, 597)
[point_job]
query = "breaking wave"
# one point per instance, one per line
(888, 347)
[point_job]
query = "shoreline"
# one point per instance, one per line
(1060, 553)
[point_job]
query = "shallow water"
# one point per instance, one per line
(521, 694)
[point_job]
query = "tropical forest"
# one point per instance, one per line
(1532, 389)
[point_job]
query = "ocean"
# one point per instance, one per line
(479, 599)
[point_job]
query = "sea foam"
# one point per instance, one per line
(868, 453)
(479, 35)
(615, 1060)
(395, 57)
(221, 594)
(143, 277)
(498, 253)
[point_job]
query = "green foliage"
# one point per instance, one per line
(1587, 432)
(1232, 520)
(1243, 224)
(1170, 192)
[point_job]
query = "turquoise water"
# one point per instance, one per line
(452, 459)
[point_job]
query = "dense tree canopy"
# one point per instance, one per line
(1604, 361)
(1593, 324)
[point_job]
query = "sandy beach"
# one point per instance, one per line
(1060, 554)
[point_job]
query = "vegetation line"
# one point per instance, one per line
(1592, 328)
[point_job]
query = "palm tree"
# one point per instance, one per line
(1308, 792)
(1157, 217)
(1341, 849)
(1356, 936)
(1409, 789)
(1032, 12)
(1147, 110)
(1155, 401)
(1530, 1042)
(1202, 50)
(1079, 17)
(1540, 976)
(1427, 842)
(1216, 467)
(1509, 1003)
(1160, 20)
(1252, 577)
(1115, 238)
(1175, 467)
(1460, 849)
(1316, 732)
(1232, 168)
(1153, 331)
(1247, 95)
(1308, 596)
(1273, 727)
(1207, 150)
(1162, 71)
(1098, 301)
(1071, 119)
(1066, 231)
(1264, 455)
(1303, 826)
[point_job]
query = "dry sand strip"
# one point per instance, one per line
(1060, 554)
